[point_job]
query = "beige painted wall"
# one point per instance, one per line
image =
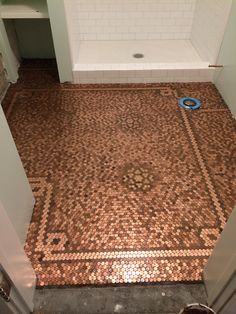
(225, 79)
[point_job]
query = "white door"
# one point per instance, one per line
(15, 192)
(17, 278)
(220, 271)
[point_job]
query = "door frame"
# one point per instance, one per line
(60, 35)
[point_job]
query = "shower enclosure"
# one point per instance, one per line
(135, 41)
(122, 41)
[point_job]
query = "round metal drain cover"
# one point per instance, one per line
(138, 55)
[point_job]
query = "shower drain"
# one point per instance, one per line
(138, 55)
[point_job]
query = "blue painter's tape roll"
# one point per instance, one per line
(190, 103)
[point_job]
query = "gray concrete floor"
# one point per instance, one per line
(155, 299)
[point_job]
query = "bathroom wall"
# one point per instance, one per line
(130, 19)
(225, 79)
(3, 79)
(209, 24)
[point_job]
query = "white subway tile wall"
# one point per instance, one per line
(130, 19)
(209, 24)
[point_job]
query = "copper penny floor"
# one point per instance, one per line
(129, 187)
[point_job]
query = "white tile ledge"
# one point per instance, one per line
(140, 66)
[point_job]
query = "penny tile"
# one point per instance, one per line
(128, 187)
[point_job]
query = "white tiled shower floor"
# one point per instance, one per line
(120, 52)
